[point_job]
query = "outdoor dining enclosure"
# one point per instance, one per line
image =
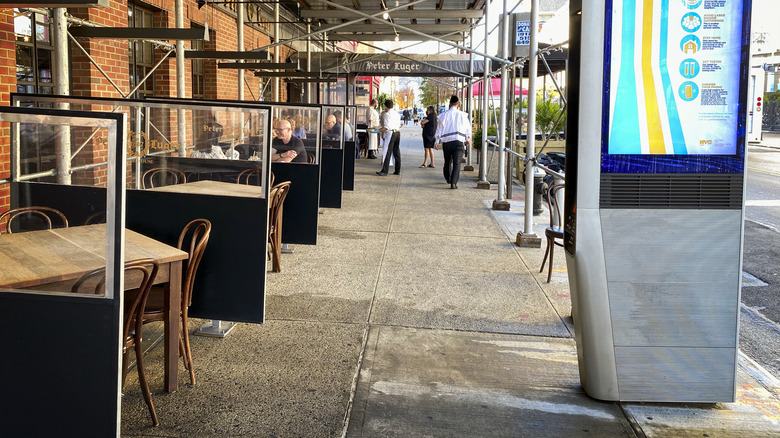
(97, 209)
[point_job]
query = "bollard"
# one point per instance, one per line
(539, 188)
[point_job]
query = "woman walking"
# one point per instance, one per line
(429, 134)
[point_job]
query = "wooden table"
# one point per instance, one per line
(53, 259)
(214, 188)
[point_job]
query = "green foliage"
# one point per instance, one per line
(476, 139)
(431, 92)
(381, 98)
(547, 113)
(772, 97)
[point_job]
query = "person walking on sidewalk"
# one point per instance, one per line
(391, 122)
(373, 125)
(429, 134)
(453, 134)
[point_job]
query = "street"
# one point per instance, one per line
(760, 321)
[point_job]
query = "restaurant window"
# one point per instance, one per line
(198, 69)
(34, 52)
(141, 53)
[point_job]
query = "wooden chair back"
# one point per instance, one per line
(278, 194)
(98, 217)
(553, 204)
(162, 176)
(246, 175)
(311, 158)
(143, 272)
(39, 218)
(196, 236)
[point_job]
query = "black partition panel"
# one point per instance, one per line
(349, 165)
(301, 207)
(331, 177)
(73, 377)
(77, 203)
(230, 283)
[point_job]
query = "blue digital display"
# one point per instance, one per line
(675, 86)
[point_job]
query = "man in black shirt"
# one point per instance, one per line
(285, 147)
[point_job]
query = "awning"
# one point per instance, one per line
(390, 64)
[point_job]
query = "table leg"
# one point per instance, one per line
(172, 327)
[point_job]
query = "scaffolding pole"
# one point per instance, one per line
(62, 87)
(180, 81)
(483, 181)
(527, 236)
(500, 203)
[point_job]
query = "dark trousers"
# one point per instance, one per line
(453, 154)
(395, 150)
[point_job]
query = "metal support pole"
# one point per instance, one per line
(469, 96)
(511, 128)
(277, 38)
(483, 181)
(62, 87)
(240, 43)
(181, 117)
(309, 85)
(500, 203)
(527, 236)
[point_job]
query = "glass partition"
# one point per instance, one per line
(333, 127)
(297, 134)
(169, 142)
(350, 123)
(51, 238)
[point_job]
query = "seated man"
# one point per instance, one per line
(285, 147)
(332, 128)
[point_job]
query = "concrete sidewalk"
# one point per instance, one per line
(416, 315)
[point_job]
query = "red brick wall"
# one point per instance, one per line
(7, 85)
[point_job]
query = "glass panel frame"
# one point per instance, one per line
(64, 126)
(224, 130)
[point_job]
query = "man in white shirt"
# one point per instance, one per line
(453, 135)
(373, 124)
(391, 123)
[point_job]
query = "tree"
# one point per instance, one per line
(405, 97)
(434, 92)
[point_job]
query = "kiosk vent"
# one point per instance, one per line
(710, 191)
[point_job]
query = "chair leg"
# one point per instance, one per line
(185, 335)
(546, 251)
(549, 272)
(125, 364)
(277, 253)
(139, 363)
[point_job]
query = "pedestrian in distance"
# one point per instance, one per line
(429, 134)
(406, 116)
(372, 131)
(391, 122)
(453, 135)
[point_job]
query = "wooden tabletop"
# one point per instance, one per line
(215, 188)
(38, 257)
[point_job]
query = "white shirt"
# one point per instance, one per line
(373, 118)
(454, 125)
(391, 120)
(215, 152)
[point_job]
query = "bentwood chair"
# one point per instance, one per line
(141, 272)
(162, 176)
(276, 203)
(246, 176)
(555, 231)
(195, 236)
(33, 218)
(311, 158)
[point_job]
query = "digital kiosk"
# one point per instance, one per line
(654, 201)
